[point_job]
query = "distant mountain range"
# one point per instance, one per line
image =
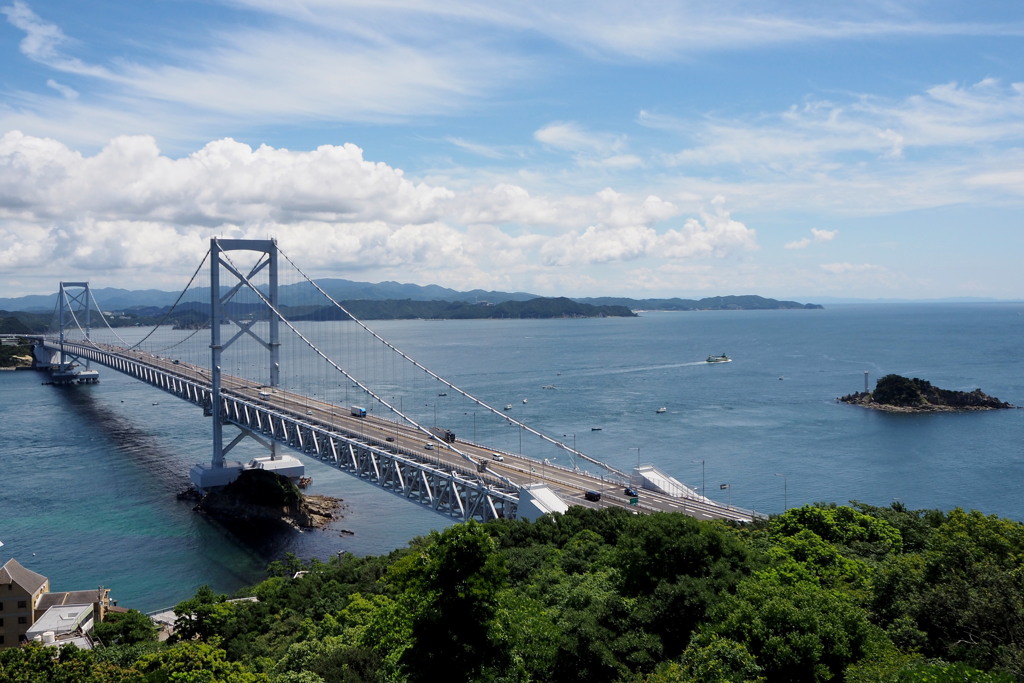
(112, 299)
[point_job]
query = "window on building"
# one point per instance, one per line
(1, 640)
(22, 604)
(22, 620)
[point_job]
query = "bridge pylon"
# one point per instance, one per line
(221, 472)
(74, 310)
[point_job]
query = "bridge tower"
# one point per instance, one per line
(221, 472)
(74, 310)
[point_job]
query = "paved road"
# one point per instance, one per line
(570, 485)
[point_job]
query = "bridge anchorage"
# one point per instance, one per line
(382, 444)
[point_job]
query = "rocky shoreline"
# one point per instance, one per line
(263, 496)
(896, 394)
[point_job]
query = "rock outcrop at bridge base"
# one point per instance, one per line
(896, 394)
(259, 495)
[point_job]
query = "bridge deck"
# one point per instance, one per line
(464, 480)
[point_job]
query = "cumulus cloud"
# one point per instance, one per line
(133, 211)
(715, 234)
(817, 235)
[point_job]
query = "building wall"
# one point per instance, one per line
(17, 612)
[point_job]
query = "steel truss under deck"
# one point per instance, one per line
(449, 489)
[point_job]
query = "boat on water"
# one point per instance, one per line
(661, 409)
(508, 406)
(719, 359)
(595, 429)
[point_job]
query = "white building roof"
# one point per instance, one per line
(61, 620)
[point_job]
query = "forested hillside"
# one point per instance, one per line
(820, 593)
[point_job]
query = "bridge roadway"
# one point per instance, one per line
(365, 445)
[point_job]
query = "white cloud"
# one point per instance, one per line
(571, 136)
(487, 151)
(131, 213)
(67, 92)
(43, 41)
(810, 136)
(817, 236)
(716, 234)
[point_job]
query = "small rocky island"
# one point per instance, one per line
(897, 394)
(260, 495)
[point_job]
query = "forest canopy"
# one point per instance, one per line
(820, 593)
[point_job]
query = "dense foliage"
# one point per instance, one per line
(15, 356)
(11, 323)
(903, 392)
(195, 315)
(821, 593)
(745, 302)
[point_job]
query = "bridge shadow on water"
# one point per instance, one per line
(137, 446)
(139, 466)
(268, 540)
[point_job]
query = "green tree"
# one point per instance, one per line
(586, 609)
(125, 628)
(806, 557)
(962, 598)
(798, 632)
(199, 616)
(35, 663)
(195, 662)
(709, 658)
(949, 673)
(451, 590)
(675, 569)
(841, 525)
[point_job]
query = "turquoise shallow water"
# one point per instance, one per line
(90, 473)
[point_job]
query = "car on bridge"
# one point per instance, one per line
(429, 446)
(631, 492)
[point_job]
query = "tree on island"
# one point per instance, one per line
(897, 393)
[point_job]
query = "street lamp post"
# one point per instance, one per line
(702, 494)
(785, 491)
(572, 457)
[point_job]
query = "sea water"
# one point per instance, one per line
(90, 473)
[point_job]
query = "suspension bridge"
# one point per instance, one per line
(279, 366)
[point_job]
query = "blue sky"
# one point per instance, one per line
(798, 150)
